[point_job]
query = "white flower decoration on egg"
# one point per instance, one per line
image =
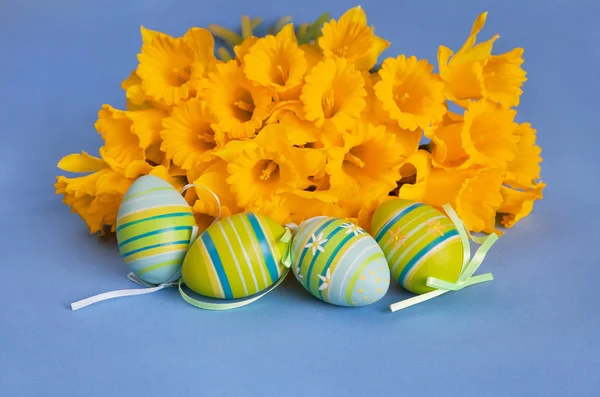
(316, 243)
(352, 228)
(326, 280)
(298, 275)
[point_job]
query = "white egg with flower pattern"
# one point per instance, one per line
(338, 262)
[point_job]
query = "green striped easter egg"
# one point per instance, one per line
(419, 242)
(154, 228)
(338, 262)
(235, 257)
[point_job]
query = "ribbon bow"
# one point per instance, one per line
(286, 259)
(469, 265)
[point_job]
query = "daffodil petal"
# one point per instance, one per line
(81, 163)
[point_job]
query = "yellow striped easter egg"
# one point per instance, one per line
(418, 242)
(154, 227)
(235, 257)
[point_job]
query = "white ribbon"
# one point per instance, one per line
(121, 293)
(148, 288)
(186, 187)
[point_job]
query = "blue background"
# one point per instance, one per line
(533, 331)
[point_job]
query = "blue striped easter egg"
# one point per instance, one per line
(154, 228)
(338, 262)
(235, 257)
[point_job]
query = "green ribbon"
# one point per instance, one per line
(229, 304)
(469, 265)
(286, 260)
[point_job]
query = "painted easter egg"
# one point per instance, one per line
(338, 262)
(235, 257)
(154, 228)
(419, 242)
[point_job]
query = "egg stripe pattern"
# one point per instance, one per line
(155, 228)
(148, 201)
(155, 233)
(215, 260)
(350, 289)
(154, 218)
(210, 272)
(337, 278)
(389, 240)
(324, 224)
(161, 265)
(411, 269)
(139, 265)
(232, 255)
(329, 233)
(395, 217)
(144, 214)
(367, 251)
(160, 245)
(410, 246)
(239, 244)
(264, 240)
(334, 254)
(255, 251)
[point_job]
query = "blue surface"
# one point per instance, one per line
(532, 332)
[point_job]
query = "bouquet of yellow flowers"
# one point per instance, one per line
(303, 121)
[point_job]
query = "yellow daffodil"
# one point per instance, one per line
(268, 165)
(474, 73)
(298, 131)
(168, 70)
(366, 166)
(313, 55)
(517, 203)
(410, 93)
(188, 135)
(95, 197)
(473, 192)
(489, 134)
(300, 205)
(299, 122)
(486, 135)
(127, 135)
(239, 106)
(414, 175)
(351, 38)
(135, 95)
(408, 140)
(333, 94)
(81, 162)
(202, 43)
(525, 167)
(446, 145)
(276, 62)
(242, 49)
(97, 211)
